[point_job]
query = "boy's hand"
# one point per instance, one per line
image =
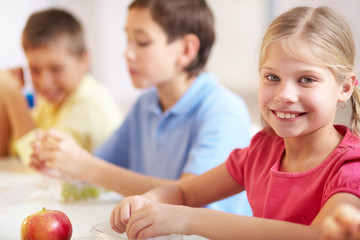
(122, 213)
(344, 223)
(58, 151)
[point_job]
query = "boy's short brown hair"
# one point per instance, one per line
(47, 26)
(181, 17)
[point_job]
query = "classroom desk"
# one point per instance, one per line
(23, 193)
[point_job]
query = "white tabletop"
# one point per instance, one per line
(23, 193)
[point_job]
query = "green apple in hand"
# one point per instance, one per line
(46, 224)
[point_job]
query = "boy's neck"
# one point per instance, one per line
(171, 91)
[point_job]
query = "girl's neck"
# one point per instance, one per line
(306, 152)
(171, 91)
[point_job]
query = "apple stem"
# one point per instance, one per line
(43, 210)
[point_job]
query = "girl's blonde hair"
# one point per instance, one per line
(319, 34)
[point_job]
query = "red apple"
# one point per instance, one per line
(46, 224)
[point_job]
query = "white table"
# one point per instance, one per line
(23, 193)
(13, 210)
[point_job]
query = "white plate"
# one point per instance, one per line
(104, 231)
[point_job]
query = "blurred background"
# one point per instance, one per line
(240, 25)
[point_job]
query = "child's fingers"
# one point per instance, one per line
(39, 135)
(49, 146)
(348, 217)
(115, 221)
(56, 134)
(36, 162)
(331, 230)
(138, 225)
(46, 157)
(36, 146)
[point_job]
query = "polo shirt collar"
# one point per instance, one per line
(200, 88)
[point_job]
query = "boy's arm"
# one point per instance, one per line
(15, 105)
(62, 153)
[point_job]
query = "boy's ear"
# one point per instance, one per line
(85, 58)
(191, 45)
(348, 87)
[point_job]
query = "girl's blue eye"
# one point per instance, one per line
(273, 78)
(306, 80)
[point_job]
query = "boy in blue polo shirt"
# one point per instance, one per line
(183, 126)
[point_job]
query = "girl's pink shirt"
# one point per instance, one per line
(294, 197)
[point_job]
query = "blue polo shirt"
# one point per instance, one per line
(196, 134)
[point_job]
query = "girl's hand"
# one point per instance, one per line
(344, 223)
(122, 213)
(158, 219)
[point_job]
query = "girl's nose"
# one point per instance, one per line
(286, 92)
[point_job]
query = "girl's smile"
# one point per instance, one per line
(287, 115)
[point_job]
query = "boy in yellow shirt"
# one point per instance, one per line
(67, 97)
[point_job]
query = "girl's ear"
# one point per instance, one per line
(191, 45)
(348, 87)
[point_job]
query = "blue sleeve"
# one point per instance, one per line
(115, 149)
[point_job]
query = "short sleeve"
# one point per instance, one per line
(214, 143)
(346, 179)
(22, 147)
(116, 148)
(236, 164)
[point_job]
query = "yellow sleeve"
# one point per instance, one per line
(22, 147)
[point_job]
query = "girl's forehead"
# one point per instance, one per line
(295, 48)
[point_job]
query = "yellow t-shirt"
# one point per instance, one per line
(89, 115)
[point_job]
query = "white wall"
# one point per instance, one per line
(12, 21)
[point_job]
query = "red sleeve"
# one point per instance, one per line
(346, 180)
(241, 161)
(235, 165)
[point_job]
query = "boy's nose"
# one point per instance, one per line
(45, 80)
(129, 52)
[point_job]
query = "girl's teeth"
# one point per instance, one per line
(286, 115)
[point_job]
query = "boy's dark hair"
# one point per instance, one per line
(181, 17)
(47, 26)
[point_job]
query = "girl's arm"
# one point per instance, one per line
(144, 218)
(157, 219)
(335, 218)
(197, 191)
(343, 223)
